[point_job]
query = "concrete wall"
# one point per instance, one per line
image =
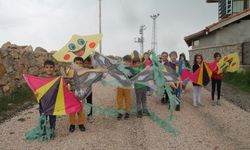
(232, 34)
(208, 52)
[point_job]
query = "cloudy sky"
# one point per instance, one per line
(50, 23)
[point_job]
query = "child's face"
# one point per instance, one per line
(173, 57)
(146, 56)
(164, 57)
(217, 59)
(198, 59)
(182, 58)
(87, 64)
(79, 63)
(49, 70)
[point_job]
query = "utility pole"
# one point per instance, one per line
(100, 24)
(141, 39)
(154, 33)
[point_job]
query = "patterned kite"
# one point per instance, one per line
(229, 63)
(201, 76)
(78, 46)
(53, 95)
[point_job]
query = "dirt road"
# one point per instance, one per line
(223, 127)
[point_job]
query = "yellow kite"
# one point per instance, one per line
(78, 46)
(229, 63)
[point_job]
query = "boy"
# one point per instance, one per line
(49, 72)
(174, 65)
(124, 93)
(216, 80)
(140, 90)
(78, 61)
(165, 63)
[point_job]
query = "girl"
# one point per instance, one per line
(216, 80)
(147, 64)
(183, 64)
(198, 59)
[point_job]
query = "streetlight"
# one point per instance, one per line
(154, 38)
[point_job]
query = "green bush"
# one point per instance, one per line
(240, 80)
(17, 98)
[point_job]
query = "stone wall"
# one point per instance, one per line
(208, 52)
(17, 60)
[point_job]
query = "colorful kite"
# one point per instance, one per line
(201, 76)
(229, 63)
(53, 95)
(114, 70)
(78, 46)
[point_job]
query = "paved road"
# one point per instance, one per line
(213, 128)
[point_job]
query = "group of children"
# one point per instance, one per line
(135, 65)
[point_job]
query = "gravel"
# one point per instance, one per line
(208, 128)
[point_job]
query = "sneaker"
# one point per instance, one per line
(177, 107)
(119, 117)
(139, 114)
(90, 119)
(146, 113)
(126, 116)
(213, 103)
(71, 128)
(81, 127)
(218, 103)
(200, 104)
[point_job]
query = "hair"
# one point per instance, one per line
(164, 52)
(173, 53)
(78, 59)
(195, 57)
(88, 59)
(182, 55)
(126, 58)
(48, 62)
(217, 54)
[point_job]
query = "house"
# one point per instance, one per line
(230, 34)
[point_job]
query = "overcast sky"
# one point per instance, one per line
(51, 23)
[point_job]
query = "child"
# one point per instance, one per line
(216, 80)
(183, 64)
(174, 64)
(164, 62)
(78, 61)
(88, 64)
(147, 63)
(140, 90)
(49, 72)
(198, 59)
(124, 93)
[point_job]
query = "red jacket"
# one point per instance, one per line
(215, 74)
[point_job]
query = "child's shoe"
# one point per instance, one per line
(218, 103)
(177, 107)
(119, 117)
(90, 119)
(139, 114)
(146, 112)
(81, 127)
(126, 116)
(71, 128)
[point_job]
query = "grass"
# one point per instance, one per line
(239, 80)
(13, 102)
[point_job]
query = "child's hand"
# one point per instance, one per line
(62, 71)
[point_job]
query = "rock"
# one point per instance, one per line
(2, 70)
(6, 88)
(40, 52)
(14, 54)
(34, 70)
(28, 49)
(4, 80)
(6, 45)
(4, 52)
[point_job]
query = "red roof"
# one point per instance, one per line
(223, 22)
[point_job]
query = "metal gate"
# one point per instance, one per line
(246, 53)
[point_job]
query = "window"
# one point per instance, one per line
(238, 5)
(196, 43)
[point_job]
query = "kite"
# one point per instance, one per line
(114, 70)
(53, 95)
(229, 63)
(201, 76)
(78, 46)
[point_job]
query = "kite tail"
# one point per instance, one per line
(41, 132)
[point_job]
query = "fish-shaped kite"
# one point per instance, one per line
(229, 63)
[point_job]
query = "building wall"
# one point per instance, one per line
(208, 52)
(232, 34)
